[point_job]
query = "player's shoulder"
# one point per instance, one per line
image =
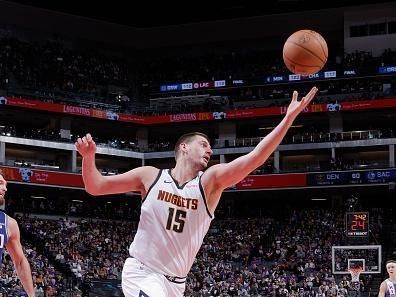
(384, 284)
(209, 176)
(9, 219)
(209, 172)
(12, 226)
(143, 171)
(151, 170)
(149, 174)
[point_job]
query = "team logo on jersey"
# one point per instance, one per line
(189, 203)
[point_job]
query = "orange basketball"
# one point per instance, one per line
(305, 52)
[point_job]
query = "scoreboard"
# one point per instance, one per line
(357, 224)
(351, 177)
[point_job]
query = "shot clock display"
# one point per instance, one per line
(357, 224)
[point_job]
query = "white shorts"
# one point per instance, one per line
(140, 281)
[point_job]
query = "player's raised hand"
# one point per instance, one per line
(296, 106)
(86, 146)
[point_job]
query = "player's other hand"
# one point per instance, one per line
(296, 106)
(86, 146)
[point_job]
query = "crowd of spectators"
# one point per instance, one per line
(252, 62)
(47, 281)
(280, 254)
(284, 255)
(78, 207)
(300, 136)
(255, 64)
(91, 249)
(306, 135)
(54, 72)
(311, 135)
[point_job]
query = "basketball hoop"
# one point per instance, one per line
(355, 273)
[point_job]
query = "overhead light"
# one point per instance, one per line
(37, 197)
(318, 199)
(44, 166)
(271, 128)
(75, 200)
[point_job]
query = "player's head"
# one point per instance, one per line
(391, 267)
(194, 146)
(3, 188)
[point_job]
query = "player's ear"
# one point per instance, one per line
(183, 146)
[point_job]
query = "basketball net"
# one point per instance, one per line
(355, 273)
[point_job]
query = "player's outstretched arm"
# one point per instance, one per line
(97, 184)
(382, 290)
(221, 176)
(21, 264)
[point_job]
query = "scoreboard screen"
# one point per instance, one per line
(357, 224)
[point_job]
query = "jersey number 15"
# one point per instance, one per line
(176, 220)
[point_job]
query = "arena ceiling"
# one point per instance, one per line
(150, 13)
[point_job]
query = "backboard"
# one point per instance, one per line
(366, 256)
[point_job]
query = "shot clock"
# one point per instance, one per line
(357, 224)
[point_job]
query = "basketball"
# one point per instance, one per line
(305, 52)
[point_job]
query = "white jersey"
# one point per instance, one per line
(173, 223)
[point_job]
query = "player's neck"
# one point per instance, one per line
(392, 278)
(183, 172)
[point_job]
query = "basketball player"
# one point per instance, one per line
(178, 204)
(388, 286)
(10, 239)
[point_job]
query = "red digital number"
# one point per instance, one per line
(360, 217)
(358, 225)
